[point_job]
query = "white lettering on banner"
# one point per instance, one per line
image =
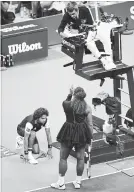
(21, 48)
(132, 12)
(17, 28)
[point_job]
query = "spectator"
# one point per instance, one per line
(52, 8)
(37, 9)
(6, 16)
(26, 4)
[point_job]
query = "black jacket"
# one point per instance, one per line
(84, 18)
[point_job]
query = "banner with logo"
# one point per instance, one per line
(121, 9)
(51, 23)
(26, 45)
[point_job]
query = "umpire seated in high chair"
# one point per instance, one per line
(74, 20)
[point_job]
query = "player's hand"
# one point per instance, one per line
(72, 90)
(84, 34)
(96, 24)
(49, 153)
(25, 159)
(64, 35)
(105, 14)
(90, 146)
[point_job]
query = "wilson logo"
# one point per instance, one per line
(21, 48)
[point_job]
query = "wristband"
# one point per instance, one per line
(49, 146)
(26, 152)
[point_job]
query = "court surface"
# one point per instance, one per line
(46, 83)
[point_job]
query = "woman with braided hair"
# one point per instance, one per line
(28, 128)
(76, 132)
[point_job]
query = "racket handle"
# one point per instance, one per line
(88, 165)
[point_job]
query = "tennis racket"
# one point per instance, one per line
(88, 161)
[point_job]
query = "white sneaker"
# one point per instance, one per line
(31, 160)
(58, 185)
(110, 60)
(107, 65)
(113, 66)
(76, 184)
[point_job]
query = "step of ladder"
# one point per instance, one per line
(123, 91)
(125, 105)
(126, 118)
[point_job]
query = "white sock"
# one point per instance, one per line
(30, 154)
(78, 179)
(110, 58)
(61, 179)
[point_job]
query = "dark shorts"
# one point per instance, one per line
(21, 132)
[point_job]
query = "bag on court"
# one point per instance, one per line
(112, 105)
(19, 142)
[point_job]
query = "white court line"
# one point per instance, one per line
(112, 173)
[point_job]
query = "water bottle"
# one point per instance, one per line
(107, 128)
(22, 12)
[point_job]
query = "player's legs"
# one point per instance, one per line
(20, 141)
(20, 131)
(103, 34)
(90, 43)
(36, 148)
(80, 152)
(64, 153)
(33, 145)
(31, 142)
